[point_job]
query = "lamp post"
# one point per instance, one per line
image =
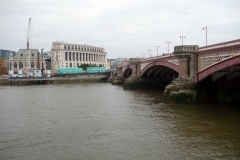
(149, 52)
(206, 33)
(157, 49)
(182, 38)
(168, 45)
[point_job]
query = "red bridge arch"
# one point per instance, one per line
(160, 63)
(126, 67)
(219, 66)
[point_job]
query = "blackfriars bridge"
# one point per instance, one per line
(190, 72)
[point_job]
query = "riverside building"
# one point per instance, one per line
(69, 55)
(30, 59)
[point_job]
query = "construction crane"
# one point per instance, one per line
(28, 46)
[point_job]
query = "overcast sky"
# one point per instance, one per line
(126, 28)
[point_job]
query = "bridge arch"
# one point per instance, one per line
(165, 64)
(127, 71)
(228, 63)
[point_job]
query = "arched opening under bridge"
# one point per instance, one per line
(220, 83)
(160, 74)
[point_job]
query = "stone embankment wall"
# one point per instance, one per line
(5, 81)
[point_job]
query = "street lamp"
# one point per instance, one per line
(157, 49)
(168, 45)
(182, 38)
(149, 52)
(206, 33)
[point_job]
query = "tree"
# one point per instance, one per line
(84, 66)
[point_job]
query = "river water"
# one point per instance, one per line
(105, 122)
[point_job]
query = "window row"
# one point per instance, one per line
(82, 48)
(21, 65)
(72, 56)
(27, 55)
(70, 65)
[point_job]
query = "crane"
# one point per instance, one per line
(27, 63)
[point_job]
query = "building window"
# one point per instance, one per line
(65, 56)
(15, 65)
(78, 65)
(65, 47)
(68, 47)
(70, 65)
(20, 65)
(21, 55)
(32, 64)
(70, 56)
(32, 55)
(77, 57)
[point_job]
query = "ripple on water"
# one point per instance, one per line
(102, 121)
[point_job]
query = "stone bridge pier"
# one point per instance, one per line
(110, 79)
(183, 87)
(135, 80)
(118, 79)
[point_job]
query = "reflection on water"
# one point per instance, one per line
(101, 121)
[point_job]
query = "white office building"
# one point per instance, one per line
(68, 55)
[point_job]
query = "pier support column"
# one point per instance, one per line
(110, 79)
(118, 79)
(182, 89)
(134, 70)
(134, 81)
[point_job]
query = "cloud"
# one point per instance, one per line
(125, 28)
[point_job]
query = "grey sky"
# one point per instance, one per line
(126, 28)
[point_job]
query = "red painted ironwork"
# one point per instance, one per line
(160, 63)
(219, 66)
(126, 67)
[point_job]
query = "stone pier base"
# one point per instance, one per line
(181, 90)
(118, 80)
(110, 79)
(134, 82)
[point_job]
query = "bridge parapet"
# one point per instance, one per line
(213, 54)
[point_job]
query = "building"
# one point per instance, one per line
(3, 66)
(108, 64)
(5, 54)
(22, 57)
(2, 62)
(47, 58)
(47, 55)
(114, 63)
(68, 55)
